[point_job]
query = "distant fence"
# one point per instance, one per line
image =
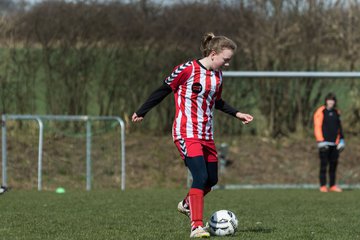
(40, 120)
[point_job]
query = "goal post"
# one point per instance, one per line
(40, 119)
(281, 75)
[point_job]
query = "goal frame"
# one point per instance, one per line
(282, 74)
(40, 120)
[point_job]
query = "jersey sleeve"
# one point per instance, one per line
(218, 95)
(318, 123)
(221, 105)
(155, 98)
(179, 75)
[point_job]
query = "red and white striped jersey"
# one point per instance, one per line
(195, 90)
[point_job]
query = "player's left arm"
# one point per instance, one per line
(341, 144)
(341, 133)
(223, 106)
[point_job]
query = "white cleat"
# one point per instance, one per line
(199, 232)
(183, 209)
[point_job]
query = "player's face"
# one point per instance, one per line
(330, 103)
(221, 59)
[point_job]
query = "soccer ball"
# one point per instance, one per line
(223, 223)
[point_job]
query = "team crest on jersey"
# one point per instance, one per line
(196, 87)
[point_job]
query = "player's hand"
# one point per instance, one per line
(244, 117)
(136, 118)
(341, 146)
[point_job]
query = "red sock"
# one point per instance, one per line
(196, 202)
(186, 199)
(206, 191)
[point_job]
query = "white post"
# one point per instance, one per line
(189, 179)
(4, 148)
(123, 174)
(88, 155)
(41, 140)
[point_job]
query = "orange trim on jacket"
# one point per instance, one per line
(326, 132)
(318, 123)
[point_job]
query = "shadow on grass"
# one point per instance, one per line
(257, 230)
(250, 230)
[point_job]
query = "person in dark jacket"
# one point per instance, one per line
(330, 140)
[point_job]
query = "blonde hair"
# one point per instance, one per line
(210, 42)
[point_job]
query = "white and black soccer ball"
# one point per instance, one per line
(3, 189)
(223, 223)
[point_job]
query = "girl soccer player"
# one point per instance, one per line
(197, 87)
(330, 139)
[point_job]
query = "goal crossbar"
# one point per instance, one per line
(290, 74)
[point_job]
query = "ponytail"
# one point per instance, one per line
(210, 43)
(205, 42)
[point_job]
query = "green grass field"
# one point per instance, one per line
(151, 214)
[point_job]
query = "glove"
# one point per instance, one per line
(323, 146)
(341, 146)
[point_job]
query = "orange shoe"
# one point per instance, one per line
(323, 189)
(335, 189)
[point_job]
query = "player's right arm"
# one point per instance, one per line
(318, 131)
(223, 106)
(318, 122)
(179, 75)
(154, 99)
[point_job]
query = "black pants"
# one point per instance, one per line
(205, 174)
(329, 157)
